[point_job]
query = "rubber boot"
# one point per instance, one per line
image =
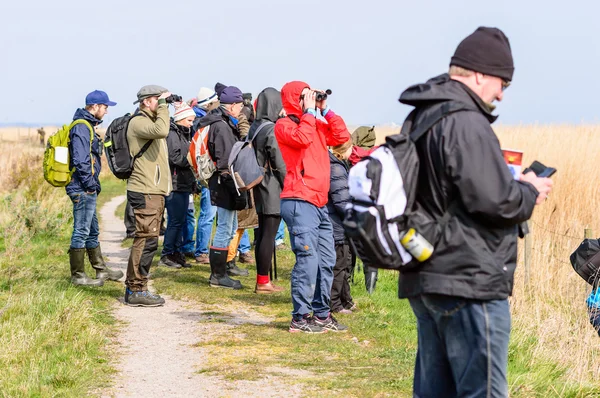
(370, 278)
(218, 270)
(78, 275)
(234, 270)
(102, 270)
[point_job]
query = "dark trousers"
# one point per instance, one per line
(129, 219)
(265, 242)
(340, 289)
(148, 210)
(462, 347)
(177, 205)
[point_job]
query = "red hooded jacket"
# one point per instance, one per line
(304, 147)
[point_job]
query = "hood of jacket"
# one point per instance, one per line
(84, 114)
(268, 104)
(182, 130)
(443, 88)
(214, 116)
(290, 97)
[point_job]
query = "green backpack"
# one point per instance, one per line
(57, 156)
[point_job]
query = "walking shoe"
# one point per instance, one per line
(246, 258)
(234, 270)
(189, 254)
(203, 258)
(342, 310)
(168, 261)
(179, 258)
(330, 323)
(351, 306)
(143, 299)
(267, 288)
(306, 325)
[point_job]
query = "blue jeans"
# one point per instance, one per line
(280, 233)
(205, 222)
(188, 230)
(226, 226)
(85, 222)
(244, 246)
(463, 347)
(311, 238)
(176, 204)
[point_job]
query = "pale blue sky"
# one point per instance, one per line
(54, 52)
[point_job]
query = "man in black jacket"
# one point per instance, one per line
(460, 295)
(222, 135)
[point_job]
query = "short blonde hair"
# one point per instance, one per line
(460, 71)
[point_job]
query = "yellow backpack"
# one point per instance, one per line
(57, 157)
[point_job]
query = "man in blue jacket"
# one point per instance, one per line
(85, 150)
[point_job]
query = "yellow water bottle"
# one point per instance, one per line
(416, 245)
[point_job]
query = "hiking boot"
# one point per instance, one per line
(203, 258)
(218, 268)
(306, 325)
(102, 270)
(189, 254)
(246, 258)
(180, 259)
(330, 323)
(267, 288)
(234, 270)
(169, 261)
(78, 275)
(143, 299)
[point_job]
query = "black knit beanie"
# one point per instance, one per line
(486, 51)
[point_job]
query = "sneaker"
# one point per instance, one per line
(306, 325)
(246, 258)
(351, 306)
(330, 323)
(167, 261)
(203, 258)
(143, 299)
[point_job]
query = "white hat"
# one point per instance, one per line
(183, 110)
(205, 97)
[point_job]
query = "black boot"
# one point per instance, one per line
(218, 270)
(78, 275)
(102, 270)
(234, 270)
(370, 278)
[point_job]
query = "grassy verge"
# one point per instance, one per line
(54, 337)
(374, 359)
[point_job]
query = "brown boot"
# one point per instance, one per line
(246, 258)
(267, 288)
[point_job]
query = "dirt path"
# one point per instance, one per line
(156, 345)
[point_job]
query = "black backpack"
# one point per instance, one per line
(116, 146)
(383, 189)
(586, 261)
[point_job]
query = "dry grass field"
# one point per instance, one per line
(549, 313)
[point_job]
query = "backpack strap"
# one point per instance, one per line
(446, 108)
(145, 147)
(263, 124)
(89, 126)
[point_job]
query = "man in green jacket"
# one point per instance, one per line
(147, 187)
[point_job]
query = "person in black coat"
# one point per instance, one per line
(183, 180)
(339, 197)
(266, 194)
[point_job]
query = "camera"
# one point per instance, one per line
(173, 98)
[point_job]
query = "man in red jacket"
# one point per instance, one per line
(303, 141)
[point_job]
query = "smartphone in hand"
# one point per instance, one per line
(540, 169)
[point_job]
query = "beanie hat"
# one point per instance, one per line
(231, 95)
(182, 110)
(219, 87)
(486, 51)
(205, 97)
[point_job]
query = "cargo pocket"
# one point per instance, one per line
(301, 242)
(147, 222)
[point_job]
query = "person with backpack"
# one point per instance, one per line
(85, 151)
(147, 186)
(267, 193)
(338, 198)
(459, 295)
(303, 141)
(207, 100)
(222, 136)
(183, 180)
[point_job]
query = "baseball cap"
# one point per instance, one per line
(151, 90)
(98, 97)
